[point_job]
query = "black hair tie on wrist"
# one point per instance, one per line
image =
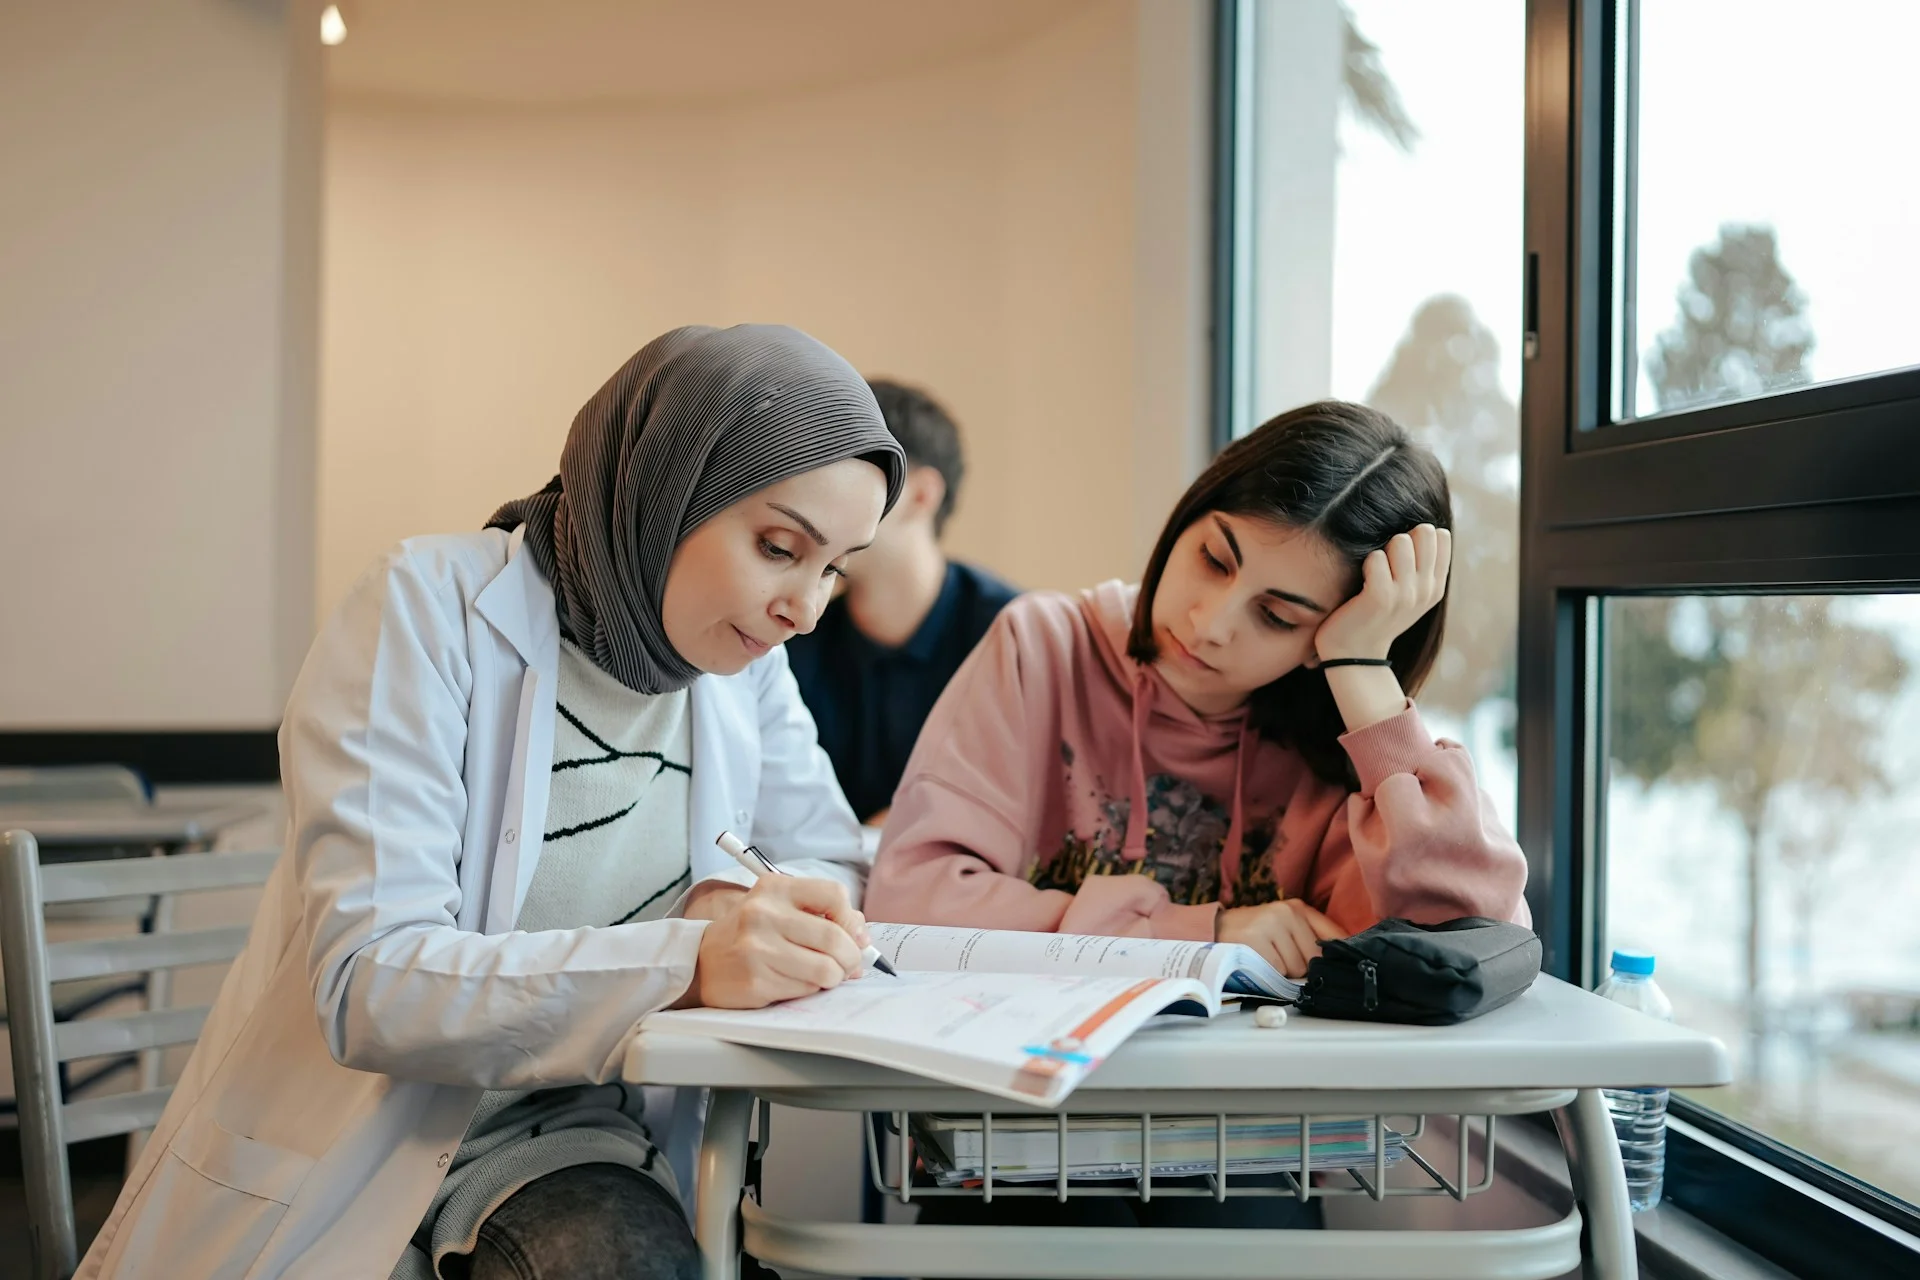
(1355, 662)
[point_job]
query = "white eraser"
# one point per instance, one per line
(1269, 1015)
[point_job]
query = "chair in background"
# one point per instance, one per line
(66, 783)
(85, 813)
(41, 1043)
(61, 787)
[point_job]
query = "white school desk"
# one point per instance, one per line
(172, 826)
(1550, 1051)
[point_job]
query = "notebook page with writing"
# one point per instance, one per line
(1029, 1037)
(1223, 966)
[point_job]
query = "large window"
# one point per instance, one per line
(1638, 270)
(1720, 580)
(1762, 816)
(1764, 217)
(1384, 183)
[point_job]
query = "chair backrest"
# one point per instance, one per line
(47, 1121)
(51, 784)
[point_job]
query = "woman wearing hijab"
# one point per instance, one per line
(505, 761)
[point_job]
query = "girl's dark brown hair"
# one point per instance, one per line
(1351, 475)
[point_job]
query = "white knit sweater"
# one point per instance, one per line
(615, 850)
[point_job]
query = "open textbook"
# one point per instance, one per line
(1021, 1015)
(1225, 968)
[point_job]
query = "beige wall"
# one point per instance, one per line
(1022, 232)
(157, 302)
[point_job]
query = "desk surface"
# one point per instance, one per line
(99, 822)
(1554, 1037)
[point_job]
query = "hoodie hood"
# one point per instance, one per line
(1108, 610)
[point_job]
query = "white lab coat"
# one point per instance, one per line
(382, 988)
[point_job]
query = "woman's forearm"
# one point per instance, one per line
(1366, 695)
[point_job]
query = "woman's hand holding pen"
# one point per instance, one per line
(714, 899)
(785, 937)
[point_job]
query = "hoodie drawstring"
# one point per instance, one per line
(1134, 841)
(1133, 847)
(1237, 824)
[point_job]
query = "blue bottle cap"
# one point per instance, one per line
(1637, 962)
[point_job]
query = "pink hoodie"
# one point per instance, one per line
(1017, 807)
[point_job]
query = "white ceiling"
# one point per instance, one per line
(660, 51)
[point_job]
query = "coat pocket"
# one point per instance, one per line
(240, 1163)
(213, 1203)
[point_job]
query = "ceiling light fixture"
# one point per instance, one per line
(333, 27)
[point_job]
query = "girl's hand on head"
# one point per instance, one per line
(787, 936)
(1288, 932)
(1400, 583)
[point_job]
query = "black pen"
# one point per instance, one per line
(758, 864)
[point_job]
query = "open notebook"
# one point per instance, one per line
(1021, 1015)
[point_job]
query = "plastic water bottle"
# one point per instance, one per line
(1639, 1115)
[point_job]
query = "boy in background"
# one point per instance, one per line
(883, 651)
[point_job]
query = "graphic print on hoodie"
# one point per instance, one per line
(1061, 786)
(1185, 843)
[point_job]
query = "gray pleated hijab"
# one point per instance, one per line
(699, 419)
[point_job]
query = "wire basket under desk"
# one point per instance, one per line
(1220, 1183)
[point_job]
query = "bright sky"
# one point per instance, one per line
(1757, 111)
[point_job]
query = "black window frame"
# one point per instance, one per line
(1815, 490)
(1230, 328)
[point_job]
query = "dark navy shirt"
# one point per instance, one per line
(870, 700)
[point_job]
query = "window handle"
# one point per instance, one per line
(1530, 341)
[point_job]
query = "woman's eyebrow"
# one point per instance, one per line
(809, 528)
(812, 530)
(1233, 545)
(1291, 598)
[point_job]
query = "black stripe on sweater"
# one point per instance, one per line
(683, 878)
(564, 832)
(613, 752)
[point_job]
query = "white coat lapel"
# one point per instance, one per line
(518, 603)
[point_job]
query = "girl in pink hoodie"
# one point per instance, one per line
(1226, 750)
